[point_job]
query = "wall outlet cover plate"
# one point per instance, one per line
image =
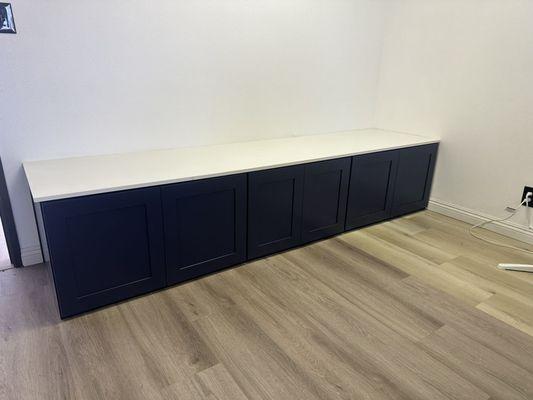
(527, 189)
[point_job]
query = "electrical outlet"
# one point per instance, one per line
(527, 189)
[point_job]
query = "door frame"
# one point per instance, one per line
(8, 222)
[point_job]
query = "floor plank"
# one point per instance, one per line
(509, 310)
(217, 384)
(496, 375)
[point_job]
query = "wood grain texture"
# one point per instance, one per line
(408, 309)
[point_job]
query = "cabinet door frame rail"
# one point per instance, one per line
(231, 219)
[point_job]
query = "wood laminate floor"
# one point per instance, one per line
(408, 309)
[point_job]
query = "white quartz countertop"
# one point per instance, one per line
(80, 176)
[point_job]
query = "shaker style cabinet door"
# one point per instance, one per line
(413, 182)
(105, 248)
(274, 210)
(371, 188)
(325, 195)
(205, 226)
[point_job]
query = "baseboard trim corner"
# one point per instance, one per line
(506, 228)
(31, 255)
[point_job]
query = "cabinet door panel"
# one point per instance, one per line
(325, 195)
(371, 188)
(414, 178)
(105, 248)
(274, 210)
(205, 226)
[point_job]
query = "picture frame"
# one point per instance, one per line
(7, 21)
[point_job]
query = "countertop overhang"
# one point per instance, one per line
(82, 176)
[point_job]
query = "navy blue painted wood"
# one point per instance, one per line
(205, 226)
(414, 178)
(371, 188)
(274, 210)
(324, 201)
(105, 248)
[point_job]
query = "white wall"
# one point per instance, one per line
(464, 70)
(88, 77)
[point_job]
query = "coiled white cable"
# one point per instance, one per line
(526, 201)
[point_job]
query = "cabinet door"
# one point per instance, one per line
(413, 182)
(205, 226)
(325, 195)
(371, 188)
(105, 248)
(274, 210)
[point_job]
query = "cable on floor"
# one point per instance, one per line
(526, 201)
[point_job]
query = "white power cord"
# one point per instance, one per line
(528, 199)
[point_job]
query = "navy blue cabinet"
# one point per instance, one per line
(413, 180)
(205, 226)
(109, 247)
(274, 210)
(372, 184)
(105, 248)
(324, 199)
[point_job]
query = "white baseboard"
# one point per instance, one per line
(506, 228)
(31, 255)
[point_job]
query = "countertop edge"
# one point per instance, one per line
(66, 195)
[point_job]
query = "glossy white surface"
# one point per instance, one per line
(71, 177)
